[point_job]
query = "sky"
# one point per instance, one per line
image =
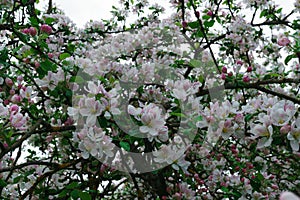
(81, 11)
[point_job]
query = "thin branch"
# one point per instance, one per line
(45, 175)
(23, 138)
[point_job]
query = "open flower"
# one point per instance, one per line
(151, 117)
(294, 135)
(264, 132)
(3, 110)
(282, 112)
(18, 120)
(92, 110)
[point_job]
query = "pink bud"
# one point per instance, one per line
(184, 24)
(9, 82)
(230, 74)
(223, 76)
(14, 108)
(26, 60)
(26, 31)
(275, 187)
(210, 13)
(5, 145)
(46, 29)
(20, 78)
(224, 69)
(197, 13)
(285, 129)
(6, 102)
(249, 69)
(32, 31)
(12, 92)
(37, 64)
(246, 79)
(50, 55)
(239, 62)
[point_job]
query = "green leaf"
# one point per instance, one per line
(75, 194)
(43, 36)
(17, 179)
(72, 185)
(263, 13)
(64, 56)
(48, 66)
(288, 58)
(248, 117)
(71, 47)
(125, 145)
(260, 177)
(34, 22)
(63, 193)
(194, 24)
(177, 114)
(201, 79)
(209, 23)
(205, 17)
(195, 63)
(77, 79)
(84, 196)
(49, 20)
(2, 183)
(199, 33)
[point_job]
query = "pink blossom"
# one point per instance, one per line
(14, 108)
(92, 110)
(16, 98)
(151, 117)
(294, 135)
(282, 112)
(46, 29)
(263, 131)
(288, 196)
(27, 93)
(18, 121)
(3, 110)
(283, 41)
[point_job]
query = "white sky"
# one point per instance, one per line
(81, 11)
